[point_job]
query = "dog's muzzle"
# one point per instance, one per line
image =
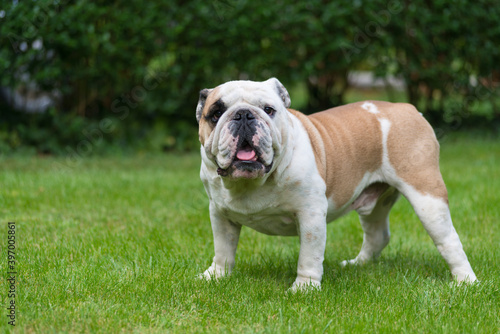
(243, 141)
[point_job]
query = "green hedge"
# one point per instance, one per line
(128, 72)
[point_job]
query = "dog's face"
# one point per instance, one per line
(242, 126)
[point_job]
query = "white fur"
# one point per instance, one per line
(435, 216)
(370, 107)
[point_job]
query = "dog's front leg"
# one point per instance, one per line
(226, 236)
(312, 233)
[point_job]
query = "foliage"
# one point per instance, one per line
(141, 65)
(447, 53)
(94, 60)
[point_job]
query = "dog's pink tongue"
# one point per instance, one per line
(246, 154)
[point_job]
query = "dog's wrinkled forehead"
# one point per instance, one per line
(254, 93)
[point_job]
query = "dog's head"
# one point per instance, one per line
(241, 126)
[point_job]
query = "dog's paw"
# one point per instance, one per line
(305, 285)
(350, 262)
(213, 273)
(206, 275)
(465, 278)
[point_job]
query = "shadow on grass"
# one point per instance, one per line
(408, 268)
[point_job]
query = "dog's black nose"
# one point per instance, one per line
(243, 113)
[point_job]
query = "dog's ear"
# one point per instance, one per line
(281, 90)
(201, 102)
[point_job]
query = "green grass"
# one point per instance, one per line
(114, 245)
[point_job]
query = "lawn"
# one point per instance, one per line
(113, 244)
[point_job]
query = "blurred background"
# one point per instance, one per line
(86, 77)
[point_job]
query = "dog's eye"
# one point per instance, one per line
(269, 110)
(216, 115)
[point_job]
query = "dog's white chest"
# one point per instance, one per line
(272, 221)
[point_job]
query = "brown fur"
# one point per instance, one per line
(414, 150)
(206, 127)
(347, 142)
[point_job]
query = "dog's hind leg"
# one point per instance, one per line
(411, 164)
(434, 213)
(415, 173)
(373, 207)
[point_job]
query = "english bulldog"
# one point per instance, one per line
(280, 172)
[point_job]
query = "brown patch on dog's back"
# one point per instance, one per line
(347, 142)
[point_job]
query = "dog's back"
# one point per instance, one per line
(363, 136)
